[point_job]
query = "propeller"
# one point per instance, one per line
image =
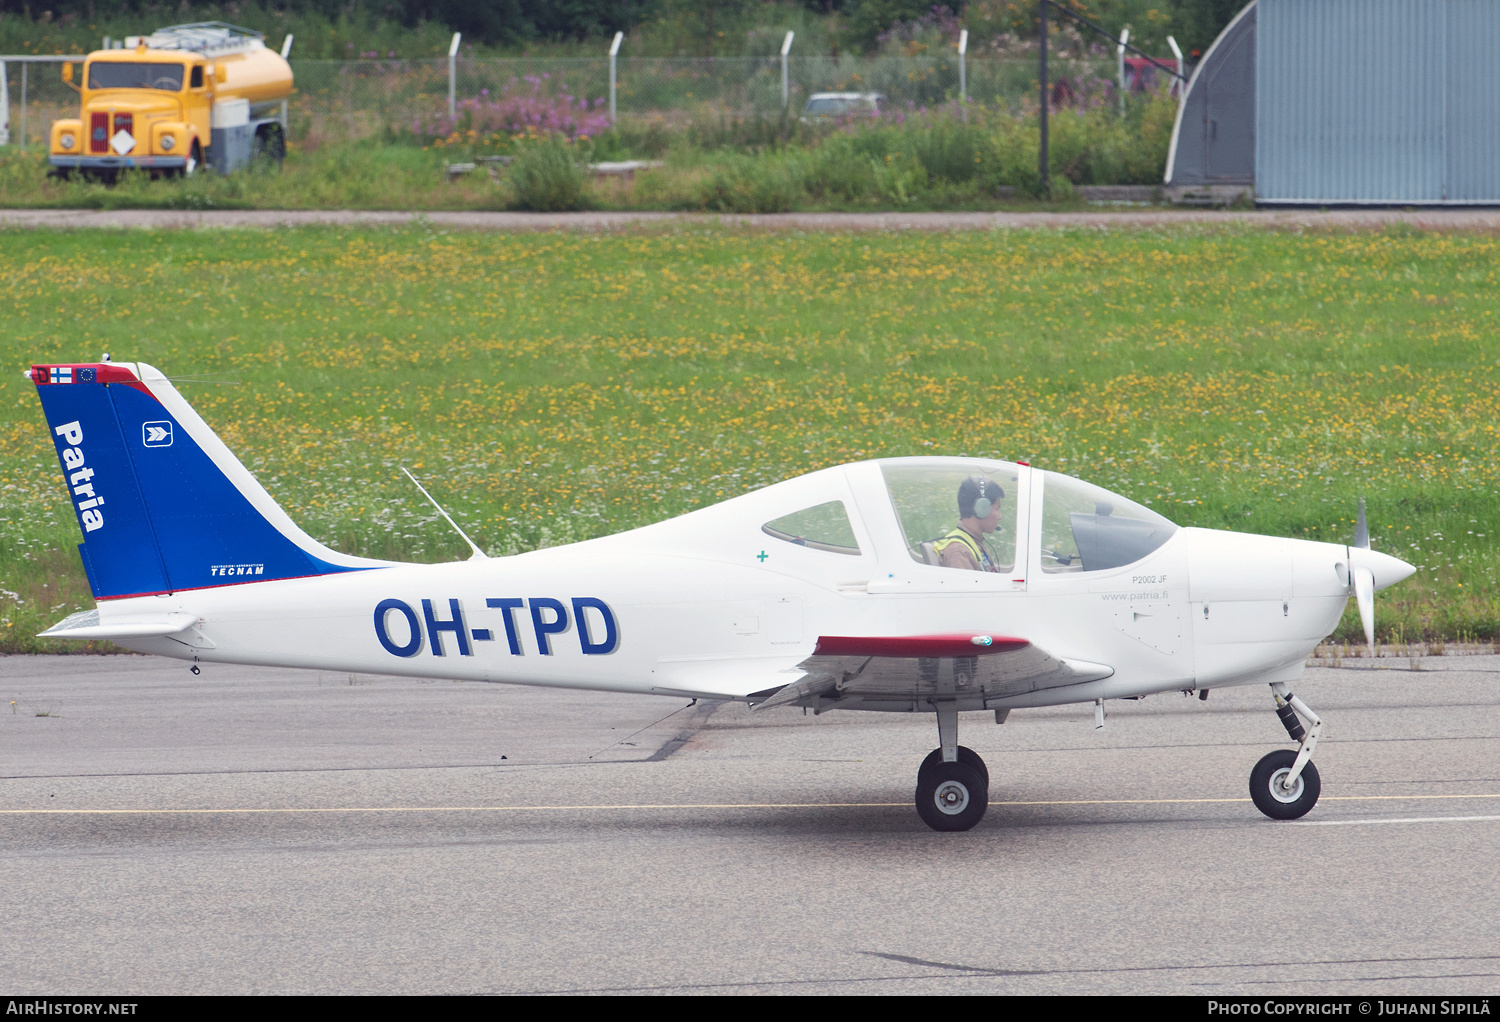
(1363, 578)
(1370, 570)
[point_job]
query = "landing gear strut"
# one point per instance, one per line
(953, 784)
(1284, 784)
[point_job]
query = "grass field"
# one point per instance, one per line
(984, 159)
(556, 387)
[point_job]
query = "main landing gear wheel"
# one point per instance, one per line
(951, 796)
(1272, 797)
(965, 755)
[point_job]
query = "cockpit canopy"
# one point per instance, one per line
(977, 515)
(925, 495)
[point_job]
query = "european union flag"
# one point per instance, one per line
(85, 376)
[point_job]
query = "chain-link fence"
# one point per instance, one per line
(337, 99)
(32, 96)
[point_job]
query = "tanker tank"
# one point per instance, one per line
(244, 67)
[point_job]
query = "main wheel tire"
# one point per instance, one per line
(965, 755)
(1281, 803)
(952, 796)
(270, 145)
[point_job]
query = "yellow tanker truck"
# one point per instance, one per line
(185, 97)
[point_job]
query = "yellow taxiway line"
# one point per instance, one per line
(694, 805)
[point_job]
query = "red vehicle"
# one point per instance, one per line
(1141, 75)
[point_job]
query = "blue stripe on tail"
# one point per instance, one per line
(157, 514)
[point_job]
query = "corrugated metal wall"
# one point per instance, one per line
(1378, 101)
(1473, 123)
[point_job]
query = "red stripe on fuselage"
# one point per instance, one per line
(961, 645)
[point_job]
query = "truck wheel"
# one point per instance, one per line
(270, 144)
(194, 160)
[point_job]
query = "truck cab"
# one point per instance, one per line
(185, 97)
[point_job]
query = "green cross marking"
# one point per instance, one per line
(762, 556)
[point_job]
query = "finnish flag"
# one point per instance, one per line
(62, 374)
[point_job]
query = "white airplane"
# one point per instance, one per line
(848, 588)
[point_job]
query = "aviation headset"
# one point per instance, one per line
(984, 505)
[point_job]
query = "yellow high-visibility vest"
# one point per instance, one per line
(958, 535)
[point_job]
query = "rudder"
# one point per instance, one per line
(162, 504)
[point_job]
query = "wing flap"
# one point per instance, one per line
(958, 667)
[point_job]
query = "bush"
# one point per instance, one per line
(538, 104)
(840, 171)
(753, 133)
(746, 184)
(548, 176)
(951, 150)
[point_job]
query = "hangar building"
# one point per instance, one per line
(1345, 101)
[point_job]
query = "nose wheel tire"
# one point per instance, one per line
(1269, 792)
(965, 755)
(951, 796)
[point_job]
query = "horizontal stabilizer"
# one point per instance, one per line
(86, 625)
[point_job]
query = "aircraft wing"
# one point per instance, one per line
(921, 668)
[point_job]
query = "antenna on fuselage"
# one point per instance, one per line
(478, 555)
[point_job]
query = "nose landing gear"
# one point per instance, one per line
(953, 784)
(1284, 784)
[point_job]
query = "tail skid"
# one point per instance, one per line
(162, 503)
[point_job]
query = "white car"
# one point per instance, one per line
(827, 105)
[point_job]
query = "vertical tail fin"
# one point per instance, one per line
(162, 503)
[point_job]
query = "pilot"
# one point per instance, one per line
(965, 545)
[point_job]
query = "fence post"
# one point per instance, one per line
(4, 105)
(1120, 63)
(286, 49)
(614, 53)
(24, 65)
(963, 79)
(1181, 68)
(786, 95)
(1041, 159)
(453, 76)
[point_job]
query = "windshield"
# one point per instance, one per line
(1087, 528)
(936, 501)
(135, 74)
